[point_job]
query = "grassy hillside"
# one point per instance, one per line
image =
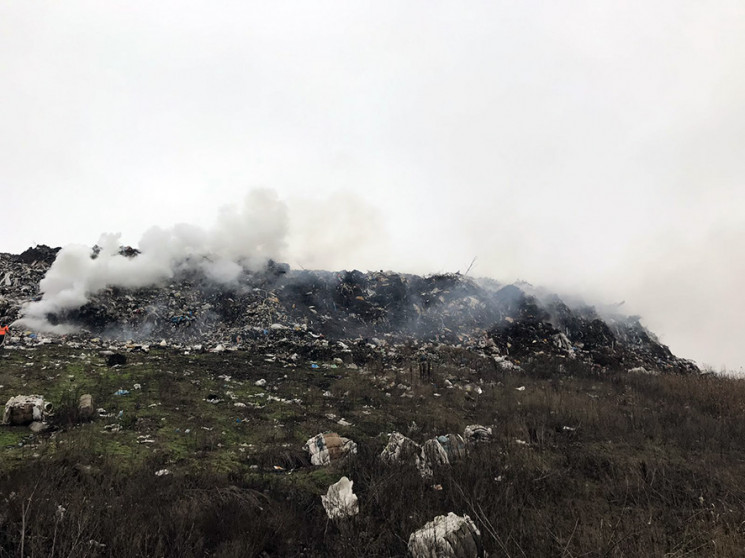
(582, 463)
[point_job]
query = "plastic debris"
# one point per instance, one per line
(38, 426)
(340, 501)
(25, 409)
(328, 447)
(447, 536)
(434, 454)
(121, 392)
(86, 410)
(641, 370)
(476, 434)
(454, 446)
(401, 449)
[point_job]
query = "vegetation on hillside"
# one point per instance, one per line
(582, 463)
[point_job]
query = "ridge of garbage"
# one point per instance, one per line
(293, 314)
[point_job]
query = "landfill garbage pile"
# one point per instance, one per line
(19, 278)
(291, 314)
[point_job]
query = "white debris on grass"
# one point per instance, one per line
(401, 449)
(453, 445)
(328, 447)
(476, 433)
(340, 501)
(642, 370)
(25, 409)
(505, 363)
(434, 453)
(447, 536)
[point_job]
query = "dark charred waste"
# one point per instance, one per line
(316, 312)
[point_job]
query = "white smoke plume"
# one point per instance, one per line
(244, 237)
(339, 231)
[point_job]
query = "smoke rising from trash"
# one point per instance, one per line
(596, 148)
(221, 286)
(342, 231)
(244, 237)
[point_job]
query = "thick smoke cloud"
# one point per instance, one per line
(244, 237)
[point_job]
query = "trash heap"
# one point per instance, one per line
(321, 315)
(19, 278)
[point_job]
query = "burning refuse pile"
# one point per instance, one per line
(379, 406)
(321, 314)
(20, 276)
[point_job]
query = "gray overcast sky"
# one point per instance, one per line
(593, 147)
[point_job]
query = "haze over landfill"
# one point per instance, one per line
(592, 148)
